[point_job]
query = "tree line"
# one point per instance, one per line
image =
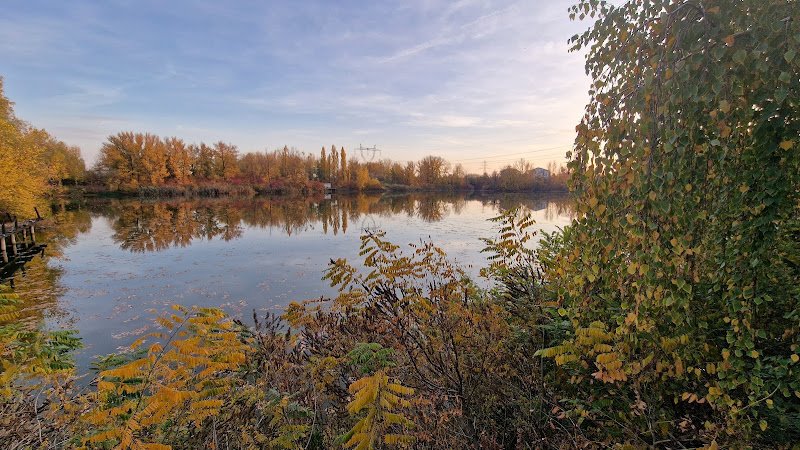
(130, 161)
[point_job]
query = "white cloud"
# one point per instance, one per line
(462, 78)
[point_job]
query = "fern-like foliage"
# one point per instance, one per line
(515, 268)
(289, 433)
(511, 248)
(378, 399)
(174, 388)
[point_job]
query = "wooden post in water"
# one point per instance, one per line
(33, 235)
(24, 236)
(14, 238)
(3, 244)
(13, 242)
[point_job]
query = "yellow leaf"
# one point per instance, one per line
(156, 447)
(763, 425)
(729, 40)
(795, 358)
(137, 343)
(786, 145)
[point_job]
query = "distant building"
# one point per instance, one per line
(541, 173)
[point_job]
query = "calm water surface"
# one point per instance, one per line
(111, 262)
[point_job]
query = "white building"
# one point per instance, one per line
(541, 173)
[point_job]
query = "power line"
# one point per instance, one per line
(504, 157)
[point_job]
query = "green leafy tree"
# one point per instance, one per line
(679, 279)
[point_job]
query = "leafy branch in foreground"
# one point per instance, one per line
(179, 385)
(27, 352)
(377, 399)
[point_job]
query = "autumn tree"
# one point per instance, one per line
(324, 170)
(24, 178)
(63, 162)
(334, 164)
(120, 160)
(153, 159)
(225, 157)
(345, 170)
(203, 167)
(179, 160)
(431, 170)
(397, 174)
(131, 160)
(257, 167)
(512, 179)
(363, 180)
(677, 284)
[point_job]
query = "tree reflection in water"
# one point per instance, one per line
(37, 282)
(153, 225)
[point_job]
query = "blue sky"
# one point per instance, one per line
(468, 80)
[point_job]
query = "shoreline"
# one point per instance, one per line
(217, 191)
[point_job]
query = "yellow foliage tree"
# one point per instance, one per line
(179, 160)
(24, 174)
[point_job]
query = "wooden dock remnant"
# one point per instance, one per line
(13, 253)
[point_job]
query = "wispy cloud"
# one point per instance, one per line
(461, 78)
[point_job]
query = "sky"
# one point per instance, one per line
(469, 80)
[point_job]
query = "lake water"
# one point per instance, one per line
(110, 263)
